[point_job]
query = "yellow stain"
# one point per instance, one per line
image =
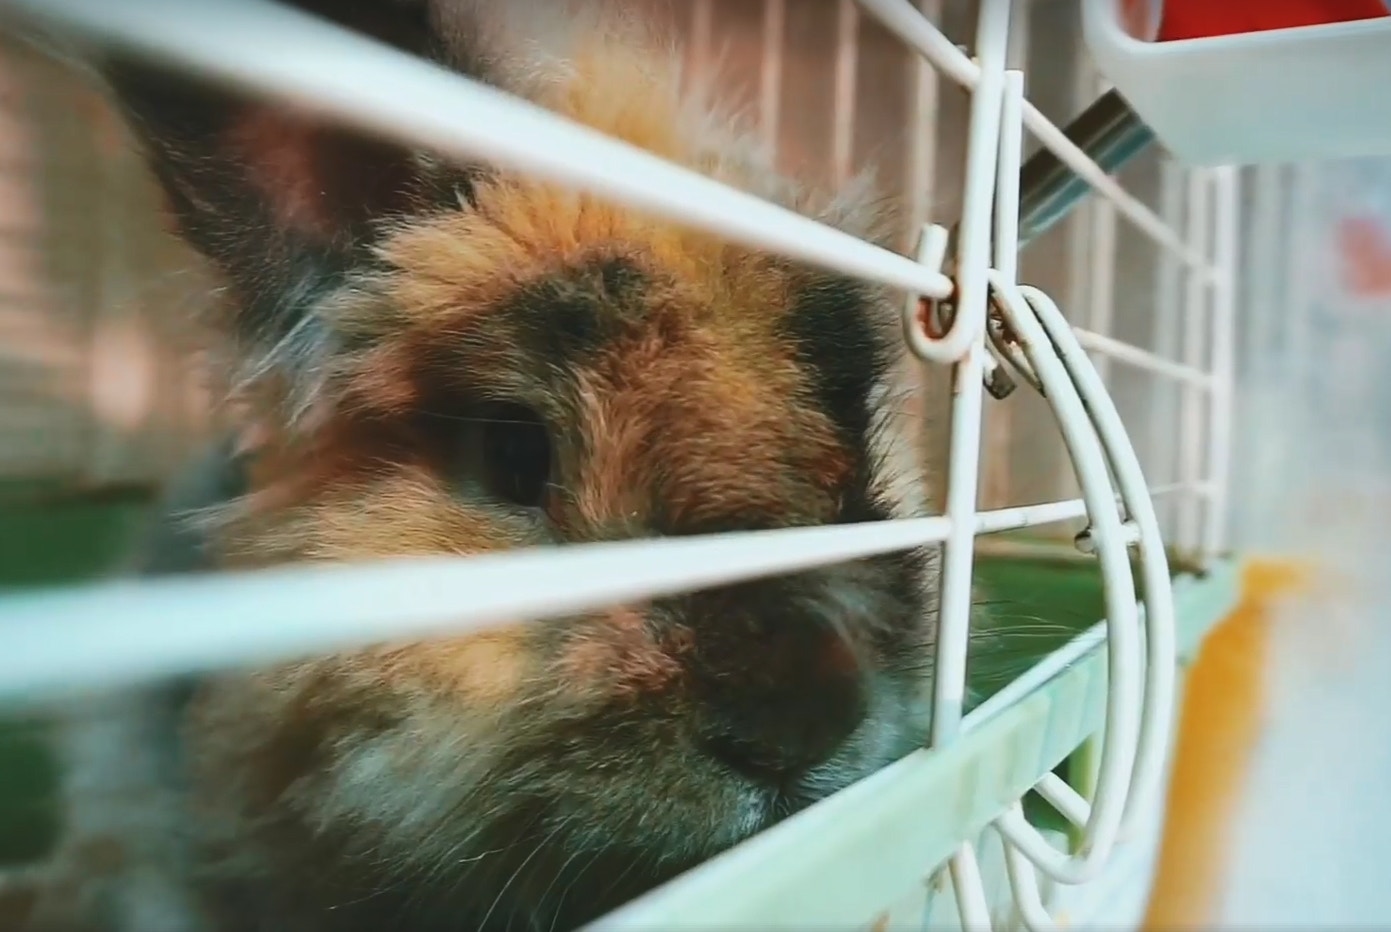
(1224, 700)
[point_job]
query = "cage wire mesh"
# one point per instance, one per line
(95, 386)
(98, 383)
(854, 97)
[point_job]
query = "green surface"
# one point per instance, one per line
(58, 539)
(842, 862)
(1033, 609)
(29, 808)
(1028, 609)
(50, 539)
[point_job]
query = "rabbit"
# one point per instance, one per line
(435, 357)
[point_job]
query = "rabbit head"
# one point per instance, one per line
(447, 358)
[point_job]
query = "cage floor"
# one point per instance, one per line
(1035, 607)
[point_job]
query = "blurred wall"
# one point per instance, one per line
(1311, 837)
(96, 381)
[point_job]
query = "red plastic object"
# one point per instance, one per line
(1199, 19)
(1365, 247)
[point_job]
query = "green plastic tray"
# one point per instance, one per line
(845, 861)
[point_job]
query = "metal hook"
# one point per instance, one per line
(1110, 133)
(927, 323)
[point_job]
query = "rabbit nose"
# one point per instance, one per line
(774, 723)
(774, 760)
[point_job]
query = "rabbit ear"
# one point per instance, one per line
(283, 203)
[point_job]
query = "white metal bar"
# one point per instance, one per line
(1164, 399)
(150, 628)
(902, 19)
(1130, 354)
(1223, 329)
(1093, 454)
(1007, 182)
(1022, 516)
(843, 119)
(968, 324)
(770, 71)
(1119, 898)
(922, 155)
(1157, 706)
(153, 627)
(997, 418)
(400, 96)
(1023, 882)
(982, 154)
(1191, 435)
(998, 464)
(971, 902)
(1062, 797)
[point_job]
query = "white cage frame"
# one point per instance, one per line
(834, 864)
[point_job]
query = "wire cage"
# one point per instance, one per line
(1127, 324)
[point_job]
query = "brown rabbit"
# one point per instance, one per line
(452, 358)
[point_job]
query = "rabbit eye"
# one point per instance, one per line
(516, 454)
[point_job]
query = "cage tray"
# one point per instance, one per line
(845, 860)
(1303, 93)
